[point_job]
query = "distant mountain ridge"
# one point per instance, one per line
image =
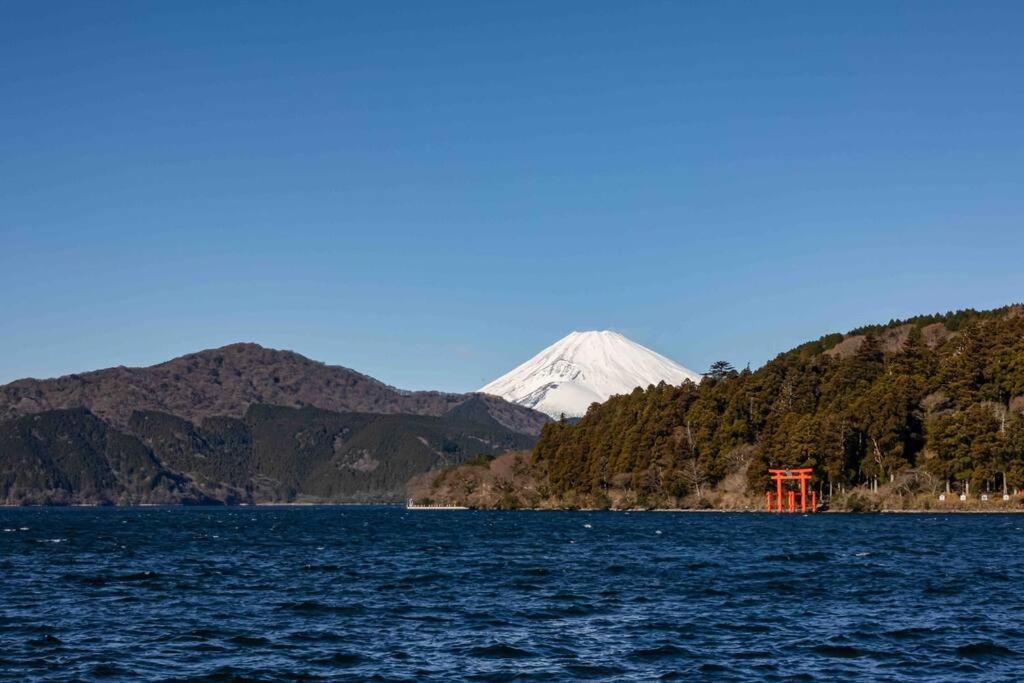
(584, 368)
(227, 380)
(241, 423)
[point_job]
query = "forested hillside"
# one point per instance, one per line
(241, 423)
(272, 454)
(941, 396)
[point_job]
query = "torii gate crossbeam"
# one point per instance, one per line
(803, 475)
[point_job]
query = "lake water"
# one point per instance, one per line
(381, 593)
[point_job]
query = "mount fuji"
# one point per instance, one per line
(584, 368)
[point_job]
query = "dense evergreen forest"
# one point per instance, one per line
(940, 396)
(272, 454)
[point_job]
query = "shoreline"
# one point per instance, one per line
(402, 506)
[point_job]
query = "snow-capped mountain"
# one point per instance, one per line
(583, 368)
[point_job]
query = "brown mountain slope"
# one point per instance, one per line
(226, 381)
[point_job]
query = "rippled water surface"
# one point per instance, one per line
(384, 593)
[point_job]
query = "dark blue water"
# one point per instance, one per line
(383, 593)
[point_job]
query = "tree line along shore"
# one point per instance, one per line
(908, 415)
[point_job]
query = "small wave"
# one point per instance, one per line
(46, 641)
(317, 607)
(909, 633)
(210, 648)
(500, 651)
(578, 610)
(192, 636)
(340, 659)
(100, 580)
(983, 649)
(249, 641)
(743, 627)
(139, 576)
(417, 579)
(674, 627)
(785, 586)
(223, 673)
(993, 574)
(485, 618)
(594, 670)
(559, 612)
(320, 567)
(841, 651)
(110, 671)
(568, 597)
(203, 633)
(96, 581)
(700, 564)
(659, 652)
(948, 588)
(318, 637)
(798, 557)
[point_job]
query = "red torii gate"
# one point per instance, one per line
(803, 475)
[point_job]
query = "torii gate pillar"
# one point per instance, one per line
(803, 475)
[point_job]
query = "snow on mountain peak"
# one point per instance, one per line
(584, 368)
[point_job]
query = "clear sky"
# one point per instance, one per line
(430, 192)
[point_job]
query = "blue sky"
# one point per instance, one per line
(431, 192)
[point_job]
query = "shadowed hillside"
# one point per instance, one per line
(238, 424)
(271, 454)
